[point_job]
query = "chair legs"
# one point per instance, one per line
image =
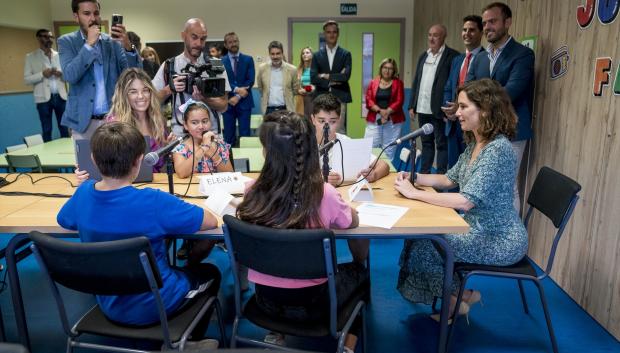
(523, 299)
(543, 300)
(233, 338)
(220, 321)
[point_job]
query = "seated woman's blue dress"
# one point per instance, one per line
(497, 235)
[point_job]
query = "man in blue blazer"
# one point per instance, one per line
(91, 62)
(240, 70)
(472, 36)
(426, 99)
(331, 70)
(512, 65)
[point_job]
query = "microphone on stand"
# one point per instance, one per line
(151, 158)
(426, 129)
(327, 146)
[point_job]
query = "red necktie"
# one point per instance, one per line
(464, 69)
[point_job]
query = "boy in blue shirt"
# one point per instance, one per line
(113, 209)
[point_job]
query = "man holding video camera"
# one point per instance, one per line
(172, 78)
(91, 62)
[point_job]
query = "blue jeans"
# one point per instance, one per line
(231, 116)
(56, 105)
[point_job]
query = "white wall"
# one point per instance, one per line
(257, 22)
(32, 14)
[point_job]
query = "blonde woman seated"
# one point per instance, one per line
(485, 174)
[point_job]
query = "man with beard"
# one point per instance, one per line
(512, 65)
(277, 81)
(194, 36)
(91, 62)
(42, 70)
(240, 70)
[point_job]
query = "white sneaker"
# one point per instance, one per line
(207, 343)
(275, 338)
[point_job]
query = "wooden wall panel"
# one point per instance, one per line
(574, 133)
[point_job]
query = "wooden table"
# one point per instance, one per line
(24, 213)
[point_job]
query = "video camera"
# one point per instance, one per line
(204, 77)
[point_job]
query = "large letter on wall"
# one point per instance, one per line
(585, 13)
(617, 82)
(608, 10)
(601, 75)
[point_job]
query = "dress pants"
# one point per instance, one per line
(436, 140)
(55, 105)
(232, 115)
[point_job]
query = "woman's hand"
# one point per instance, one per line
(80, 175)
(171, 138)
(404, 186)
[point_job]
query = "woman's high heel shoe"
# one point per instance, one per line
(463, 310)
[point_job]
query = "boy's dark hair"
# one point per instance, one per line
(326, 102)
(75, 4)
(331, 23)
(474, 18)
(42, 31)
(506, 12)
(135, 39)
(275, 44)
(115, 147)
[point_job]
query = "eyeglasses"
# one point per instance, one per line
(387, 68)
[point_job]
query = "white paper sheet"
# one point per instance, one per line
(380, 215)
(219, 203)
(357, 154)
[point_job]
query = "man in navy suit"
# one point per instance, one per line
(91, 62)
(331, 70)
(512, 65)
(427, 97)
(472, 35)
(240, 70)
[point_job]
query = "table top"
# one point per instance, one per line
(21, 214)
(60, 153)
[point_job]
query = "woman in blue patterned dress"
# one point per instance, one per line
(485, 174)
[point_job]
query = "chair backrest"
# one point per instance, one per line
(241, 165)
(31, 161)
(288, 253)
(13, 148)
(555, 196)
(33, 140)
(101, 268)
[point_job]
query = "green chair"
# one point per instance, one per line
(30, 161)
(249, 142)
(14, 148)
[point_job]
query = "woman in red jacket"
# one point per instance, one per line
(384, 100)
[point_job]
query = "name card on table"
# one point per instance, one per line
(361, 191)
(233, 183)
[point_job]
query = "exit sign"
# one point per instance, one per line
(348, 9)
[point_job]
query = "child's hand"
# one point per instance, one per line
(80, 175)
(334, 178)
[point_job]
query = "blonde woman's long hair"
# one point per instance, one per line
(121, 109)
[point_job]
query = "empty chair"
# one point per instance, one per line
(33, 140)
(119, 267)
(249, 141)
(555, 196)
(30, 161)
(293, 254)
(13, 148)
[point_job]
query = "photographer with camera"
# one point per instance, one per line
(189, 75)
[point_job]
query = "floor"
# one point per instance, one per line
(394, 325)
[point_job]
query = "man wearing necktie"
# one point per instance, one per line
(240, 69)
(472, 36)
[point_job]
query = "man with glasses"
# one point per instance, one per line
(426, 98)
(42, 70)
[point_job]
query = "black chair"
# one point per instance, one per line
(120, 267)
(555, 196)
(241, 165)
(289, 253)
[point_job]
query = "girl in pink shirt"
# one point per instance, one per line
(290, 193)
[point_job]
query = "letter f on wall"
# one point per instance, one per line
(601, 75)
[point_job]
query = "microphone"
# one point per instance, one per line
(426, 129)
(151, 158)
(327, 146)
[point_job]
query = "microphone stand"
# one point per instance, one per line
(169, 171)
(326, 154)
(412, 175)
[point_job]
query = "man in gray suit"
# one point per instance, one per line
(91, 62)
